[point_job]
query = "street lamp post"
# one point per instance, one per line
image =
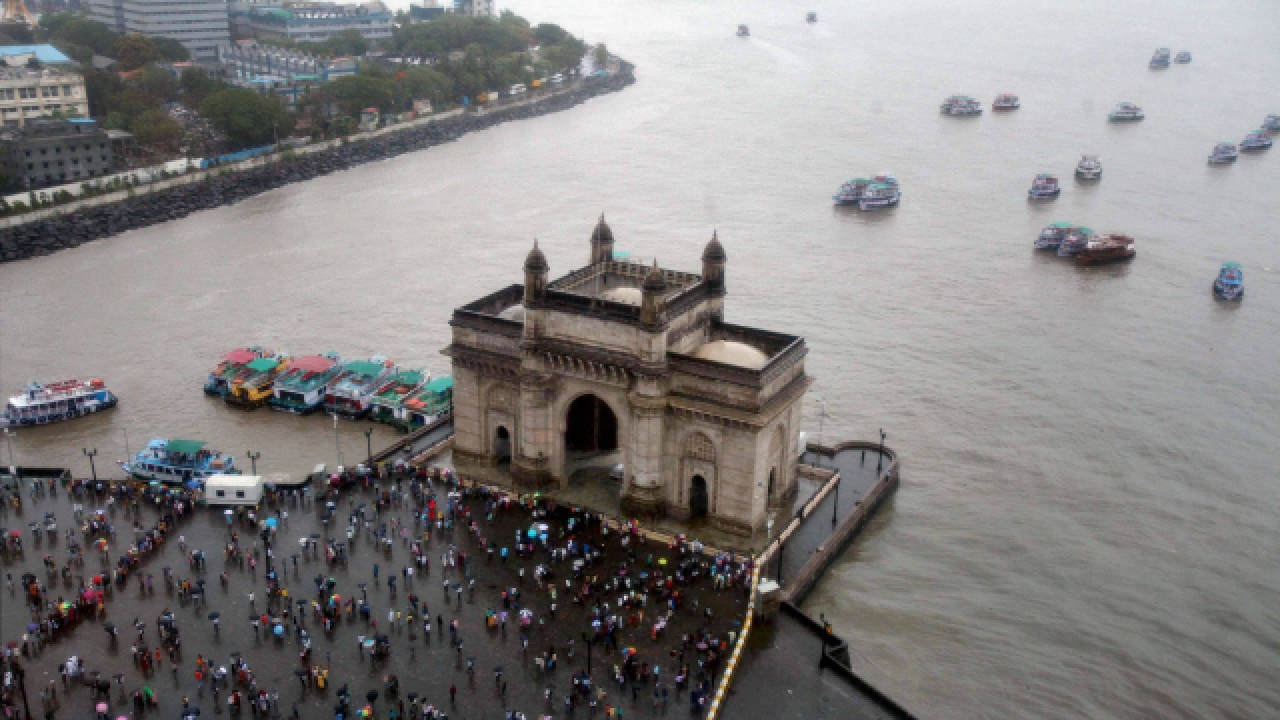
(8, 437)
(368, 441)
(880, 460)
(91, 455)
(253, 461)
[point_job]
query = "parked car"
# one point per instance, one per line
(518, 89)
(557, 79)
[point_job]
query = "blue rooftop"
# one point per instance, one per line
(44, 53)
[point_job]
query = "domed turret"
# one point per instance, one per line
(653, 311)
(535, 276)
(713, 262)
(601, 242)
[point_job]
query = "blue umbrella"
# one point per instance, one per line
(279, 631)
(271, 522)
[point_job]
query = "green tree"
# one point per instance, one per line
(158, 83)
(420, 83)
(348, 42)
(197, 85)
(134, 51)
(247, 118)
(155, 129)
(71, 28)
(354, 93)
(20, 33)
(170, 49)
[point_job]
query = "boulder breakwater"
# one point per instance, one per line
(76, 227)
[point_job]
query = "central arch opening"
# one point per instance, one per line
(502, 446)
(698, 498)
(591, 426)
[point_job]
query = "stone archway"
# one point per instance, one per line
(502, 445)
(699, 498)
(590, 426)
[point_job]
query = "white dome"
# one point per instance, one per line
(628, 295)
(515, 312)
(732, 353)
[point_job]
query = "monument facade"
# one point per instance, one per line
(620, 362)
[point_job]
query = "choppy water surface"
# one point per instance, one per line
(1087, 524)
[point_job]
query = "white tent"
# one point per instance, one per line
(233, 490)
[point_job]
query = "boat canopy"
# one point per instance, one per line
(440, 384)
(312, 363)
(240, 356)
(364, 367)
(263, 364)
(1062, 225)
(184, 447)
(1230, 266)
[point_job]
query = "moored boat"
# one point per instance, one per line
(1224, 152)
(387, 403)
(350, 393)
(1183, 57)
(1256, 140)
(1074, 241)
(45, 403)
(1229, 285)
(850, 193)
(1160, 58)
(1005, 101)
(300, 386)
(251, 388)
(1044, 187)
(744, 31)
(1126, 112)
(882, 192)
(1271, 124)
(219, 381)
(429, 403)
(1089, 167)
(177, 461)
(811, 17)
(960, 105)
(1105, 249)
(1052, 235)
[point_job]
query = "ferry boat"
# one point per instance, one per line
(1051, 236)
(1105, 249)
(1075, 241)
(1256, 140)
(1183, 57)
(388, 402)
(252, 386)
(811, 17)
(1229, 285)
(431, 402)
(960, 105)
(45, 403)
(850, 193)
(1043, 187)
(1161, 58)
(883, 192)
(1271, 124)
(350, 393)
(1224, 153)
(177, 461)
(219, 380)
(1089, 167)
(1005, 101)
(744, 31)
(300, 386)
(1126, 112)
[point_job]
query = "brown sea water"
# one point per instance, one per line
(1087, 523)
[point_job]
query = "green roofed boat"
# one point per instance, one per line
(432, 402)
(350, 395)
(177, 462)
(387, 405)
(300, 387)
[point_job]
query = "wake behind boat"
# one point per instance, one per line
(42, 404)
(177, 462)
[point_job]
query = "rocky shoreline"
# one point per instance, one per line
(49, 235)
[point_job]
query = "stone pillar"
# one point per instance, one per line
(645, 490)
(531, 461)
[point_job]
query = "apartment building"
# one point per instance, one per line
(202, 26)
(27, 93)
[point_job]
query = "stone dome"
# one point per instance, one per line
(602, 232)
(714, 251)
(536, 262)
(628, 295)
(654, 282)
(515, 312)
(730, 352)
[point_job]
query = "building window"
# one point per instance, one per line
(31, 166)
(46, 166)
(66, 91)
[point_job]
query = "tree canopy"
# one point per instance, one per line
(246, 117)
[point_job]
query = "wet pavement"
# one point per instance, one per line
(426, 664)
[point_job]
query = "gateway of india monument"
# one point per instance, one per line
(619, 362)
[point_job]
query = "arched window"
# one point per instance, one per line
(700, 447)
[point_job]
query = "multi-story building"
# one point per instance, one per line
(54, 152)
(272, 70)
(200, 25)
(474, 8)
(317, 22)
(239, 11)
(33, 92)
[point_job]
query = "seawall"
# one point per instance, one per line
(52, 230)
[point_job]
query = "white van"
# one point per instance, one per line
(518, 89)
